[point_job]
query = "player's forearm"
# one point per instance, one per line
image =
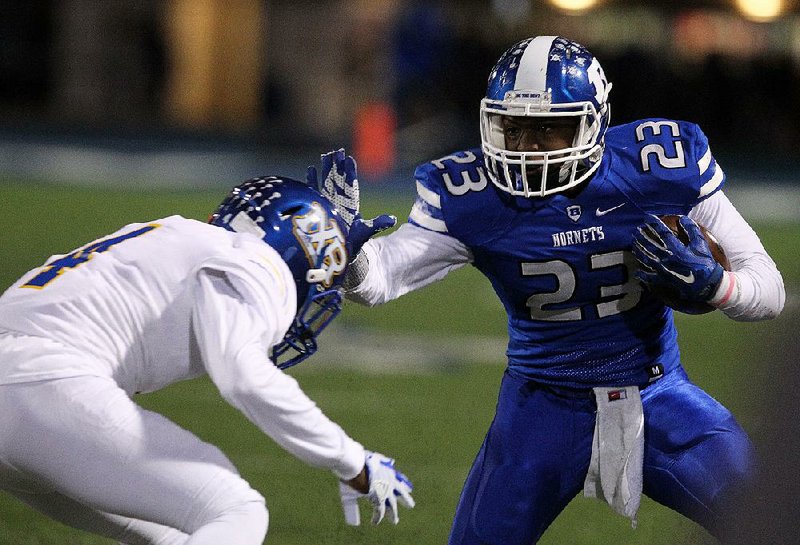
(274, 402)
(233, 338)
(748, 295)
(754, 289)
(408, 259)
(369, 281)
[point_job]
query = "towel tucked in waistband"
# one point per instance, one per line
(615, 469)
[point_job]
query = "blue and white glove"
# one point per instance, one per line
(387, 487)
(340, 186)
(689, 271)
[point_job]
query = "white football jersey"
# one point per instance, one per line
(155, 303)
(126, 300)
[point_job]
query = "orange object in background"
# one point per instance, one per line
(374, 139)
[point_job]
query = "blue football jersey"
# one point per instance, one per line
(562, 266)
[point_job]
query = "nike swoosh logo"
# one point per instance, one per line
(599, 212)
(688, 278)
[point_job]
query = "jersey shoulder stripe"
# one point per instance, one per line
(712, 177)
(427, 209)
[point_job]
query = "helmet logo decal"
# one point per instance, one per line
(598, 79)
(322, 240)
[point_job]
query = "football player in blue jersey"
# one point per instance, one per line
(561, 212)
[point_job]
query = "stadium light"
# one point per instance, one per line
(761, 10)
(574, 6)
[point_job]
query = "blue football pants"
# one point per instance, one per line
(536, 453)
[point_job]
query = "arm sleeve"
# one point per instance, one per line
(234, 336)
(753, 289)
(407, 259)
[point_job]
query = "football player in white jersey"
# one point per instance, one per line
(560, 211)
(154, 303)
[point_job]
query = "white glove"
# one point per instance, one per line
(387, 485)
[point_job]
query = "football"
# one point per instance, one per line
(717, 253)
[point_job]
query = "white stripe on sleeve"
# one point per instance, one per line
(430, 197)
(421, 218)
(715, 181)
(704, 161)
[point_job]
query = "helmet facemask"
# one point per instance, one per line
(319, 307)
(541, 173)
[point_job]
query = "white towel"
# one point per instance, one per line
(615, 470)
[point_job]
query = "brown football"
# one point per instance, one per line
(716, 250)
(717, 253)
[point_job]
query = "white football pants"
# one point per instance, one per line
(82, 452)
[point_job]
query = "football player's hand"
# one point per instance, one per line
(689, 270)
(340, 185)
(382, 484)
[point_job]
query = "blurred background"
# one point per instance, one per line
(203, 92)
(113, 111)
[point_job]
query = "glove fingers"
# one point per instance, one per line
(657, 234)
(697, 241)
(404, 497)
(646, 254)
(339, 161)
(352, 515)
(391, 508)
(646, 277)
(378, 510)
(349, 168)
(349, 497)
(691, 228)
(347, 180)
(327, 162)
(382, 222)
(376, 225)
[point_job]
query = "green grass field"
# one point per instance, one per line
(433, 421)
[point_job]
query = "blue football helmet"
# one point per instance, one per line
(545, 77)
(306, 230)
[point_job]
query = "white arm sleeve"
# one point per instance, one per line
(407, 259)
(753, 290)
(235, 326)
